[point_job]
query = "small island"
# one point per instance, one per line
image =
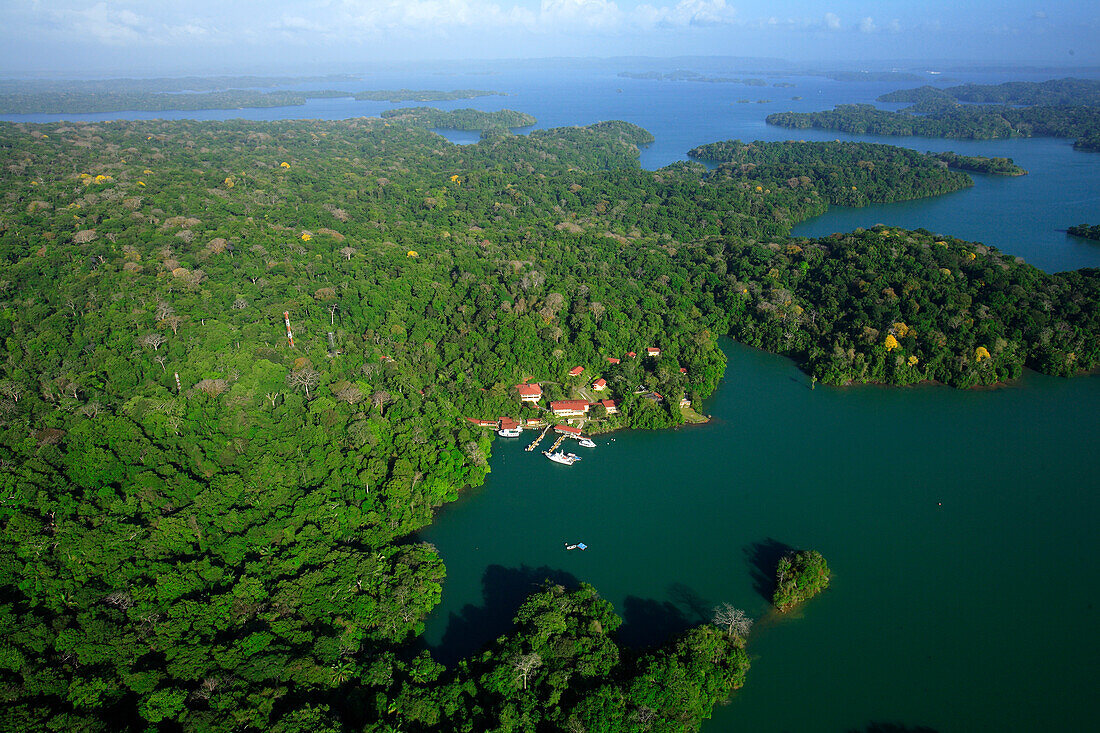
(800, 576)
(980, 164)
(1086, 231)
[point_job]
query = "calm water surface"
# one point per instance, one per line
(960, 525)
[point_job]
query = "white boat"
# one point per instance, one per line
(510, 432)
(567, 458)
(586, 442)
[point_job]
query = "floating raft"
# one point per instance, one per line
(578, 546)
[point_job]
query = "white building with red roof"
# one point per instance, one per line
(529, 393)
(570, 408)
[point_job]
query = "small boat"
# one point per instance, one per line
(578, 546)
(510, 432)
(566, 458)
(586, 442)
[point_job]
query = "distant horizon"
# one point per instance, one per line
(132, 37)
(466, 66)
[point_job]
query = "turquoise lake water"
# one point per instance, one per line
(960, 526)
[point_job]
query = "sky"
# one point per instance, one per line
(147, 37)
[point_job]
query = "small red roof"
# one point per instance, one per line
(609, 403)
(600, 383)
(651, 350)
(576, 371)
(507, 423)
(529, 390)
(612, 360)
(567, 429)
(683, 370)
(631, 354)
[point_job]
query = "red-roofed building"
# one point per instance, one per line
(483, 423)
(529, 392)
(652, 351)
(612, 360)
(631, 354)
(569, 408)
(567, 430)
(611, 406)
(683, 370)
(576, 371)
(507, 423)
(599, 385)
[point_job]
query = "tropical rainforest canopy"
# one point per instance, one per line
(206, 524)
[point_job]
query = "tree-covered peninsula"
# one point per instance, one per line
(1056, 92)
(980, 164)
(967, 122)
(847, 174)
(238, 362)
(1086, 231)
(460, 119)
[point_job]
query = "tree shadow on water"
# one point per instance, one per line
(763, 558)
(649, 622)
(503, 590)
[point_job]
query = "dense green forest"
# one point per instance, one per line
(1086, 231)
(847, 174)
(800, 576)
(460, 119)
(217, 536)
(80, 101)
(1056, 92)
(156, 85)
(980, 164)
(421, 95)
(968, 122)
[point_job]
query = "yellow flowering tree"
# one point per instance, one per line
(891, 342)
(981, 353)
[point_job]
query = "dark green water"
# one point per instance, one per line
(960, 527)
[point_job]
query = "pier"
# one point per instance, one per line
(536, 441)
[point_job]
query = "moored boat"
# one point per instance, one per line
(586, 442)
(567, 459)
(510, 432)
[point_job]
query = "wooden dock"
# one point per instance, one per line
(536, 441)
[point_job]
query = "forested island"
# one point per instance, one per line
(1086, 231)
(980, 164)
(218, 536)
(79, 101)
(800, 576)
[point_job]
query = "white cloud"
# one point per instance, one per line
(832, 21)
(867, 25)
(1039, 15)
(116, 27)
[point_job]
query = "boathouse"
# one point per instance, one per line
(567, 430)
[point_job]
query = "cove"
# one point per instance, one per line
(959, 527)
